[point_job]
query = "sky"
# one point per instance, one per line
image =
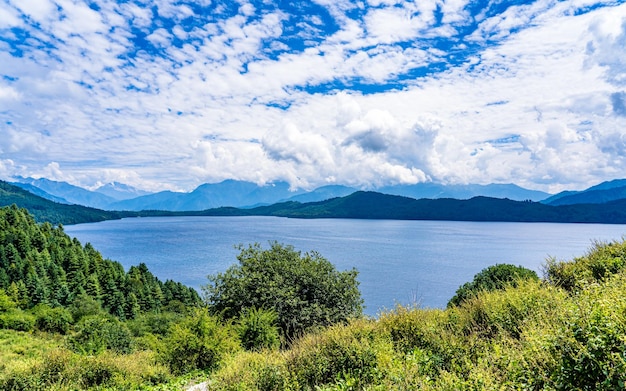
(170, 94)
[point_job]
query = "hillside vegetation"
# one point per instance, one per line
(44, 210)
(566, 331)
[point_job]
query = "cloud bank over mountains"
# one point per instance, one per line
(168, 94)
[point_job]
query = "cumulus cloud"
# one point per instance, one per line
(359, 93)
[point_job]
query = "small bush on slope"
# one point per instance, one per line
(492, 278)
(600, 262)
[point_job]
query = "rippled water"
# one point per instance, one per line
(404, 262)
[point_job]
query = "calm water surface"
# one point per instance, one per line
(405, 262)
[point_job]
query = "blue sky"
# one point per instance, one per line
(169, 94)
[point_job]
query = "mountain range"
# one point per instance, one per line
(242, 194)
(372, 205)
(599, 194)
(357, 205)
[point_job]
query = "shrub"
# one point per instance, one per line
(254, 371)
(52, 320)
(493, 277)
(153, 323)
(257, 329)
(6, 302)
(17, 320)
(199, 342)
(600, 262)
(95, 334)
(356, 351)
(591, 343)
(305, 291)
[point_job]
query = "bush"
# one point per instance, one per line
(305, 291)
(492, 278)
(254, 371)
(601, 261)
(355, 351)
(257, 329)
(6, 303)
(17, 320)
(94, 334)
(52, 320)
(199, 342)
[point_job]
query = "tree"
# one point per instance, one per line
(492, 278)
(305, 291)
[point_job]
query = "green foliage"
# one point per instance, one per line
(602, 261)
(257, 329)
(531, 336)
(95, 334)
(493, 277)
(357, 351)
(40, 264)
(17, 319)
(199, 341)
(61, 369)
(52, 320)
(592, 339)
(305, 291)
(6, 302)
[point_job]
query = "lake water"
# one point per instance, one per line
(405, 262)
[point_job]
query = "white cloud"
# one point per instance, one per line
(204, 110)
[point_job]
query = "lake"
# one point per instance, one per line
(405, 262)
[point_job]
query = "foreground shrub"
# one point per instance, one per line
(358, 351)
(492, 278)
(600, 262)
(254, 371)
(64, 370)
(305, 291)
(17, 319)
(95, 334)
(200, 341)
(257, 329)
(52, 320)
(509, 310)
(591, 344)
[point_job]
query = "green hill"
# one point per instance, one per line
(372, 205)
(52, 212)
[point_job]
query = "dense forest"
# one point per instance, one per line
(40, 264)
(282, 320)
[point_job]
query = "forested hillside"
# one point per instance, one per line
(52, 212)
(40, 264)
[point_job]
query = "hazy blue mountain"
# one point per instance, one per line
(463, 192)
(210, 195)
(120, 191)
(323, 193)
(615, 183)
(70, 193)
(162, 200)
(598, 194)
(38, 192)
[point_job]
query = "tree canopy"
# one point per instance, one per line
(492, 278)
(304, 290)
